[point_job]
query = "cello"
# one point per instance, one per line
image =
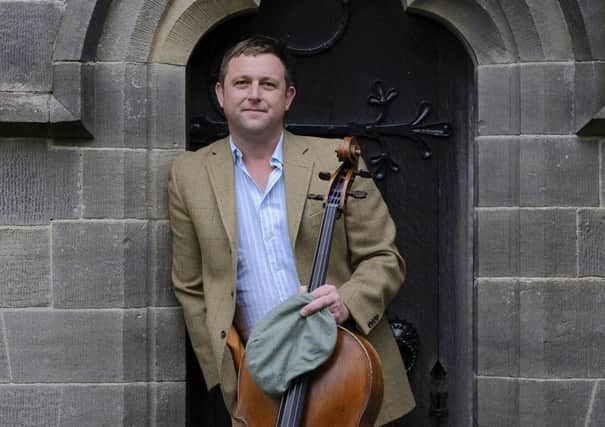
(347, 389)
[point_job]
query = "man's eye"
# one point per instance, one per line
(269, 85)
(240, 83)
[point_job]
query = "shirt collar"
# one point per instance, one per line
(276, 158)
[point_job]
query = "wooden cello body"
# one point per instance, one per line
(347, 390)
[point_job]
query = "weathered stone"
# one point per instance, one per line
(559, 172)
(575, 24)
(65, 345)
(5, 375)
(510, 403)
(546, 98)
(552, 30)
(67, 90)
(547, 242)
(30, 405)
(168, 404)
(117, 31)
(526, 242)
(108, 104)
(160, 162)
(162, 293)
(498, 327)
(99, 264)
(498, 171)
(80, 29)
(145, 29)
(135, 343)
(591, 242)
(25, 57)
(24, 108)
(562, 328)
(91, 406)
(37, 184)
(168, 329)
(135, 105)
(136, 405)
(24, 267)
(589, 94)
(114, 184)
(498, 100)
(167, 100)
(524, 31)
(593, 13)
(597, 410)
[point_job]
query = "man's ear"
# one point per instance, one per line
(290, 94)
(218, 90)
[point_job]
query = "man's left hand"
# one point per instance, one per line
(327, 296)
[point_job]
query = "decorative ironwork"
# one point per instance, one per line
(438, 407)
(204, 130)
(408, 341)
(330, 42)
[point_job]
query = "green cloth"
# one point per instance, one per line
(284, 344)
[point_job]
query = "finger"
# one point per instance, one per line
(315, 305)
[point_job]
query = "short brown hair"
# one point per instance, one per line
(255, 46)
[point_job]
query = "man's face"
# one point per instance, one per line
(254, 95)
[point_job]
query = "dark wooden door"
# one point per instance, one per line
(367, 68)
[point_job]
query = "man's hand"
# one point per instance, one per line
(327, 296)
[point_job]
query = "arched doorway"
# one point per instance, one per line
(368, 69)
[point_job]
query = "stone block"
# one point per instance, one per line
(67, 89)
(25, 57)
(498, 242)
(498, 171)
(37, 184)
(108, 105)
(591, 242)
(135, 343)
(65, 345)
(498, 327)
(5, 375)
(546, 98)
(597, 410)
(548, 21)
(526, 242)
(167, 119)
(23, 108)
(593, 13)
(498, 100)
(114, 184)
(589, 92)
(559, 172)
(160, 162)
(136, 405)
(145, 29)
(135, 105)
(91, 406)
(574, 21)
(162, 292)
(562, 328)
(117, 32)
(168, 404)
(30, 405)
(80, 28)
(24, 267)
(100, 264)
(509, 403)
(524, 31)
(168, 348)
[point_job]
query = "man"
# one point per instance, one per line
(244, 232)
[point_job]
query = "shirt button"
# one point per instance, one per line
(223, 334)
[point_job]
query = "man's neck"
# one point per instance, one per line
(257, 147)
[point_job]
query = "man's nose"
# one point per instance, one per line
(254, 92)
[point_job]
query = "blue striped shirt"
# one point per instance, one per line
(266, 269)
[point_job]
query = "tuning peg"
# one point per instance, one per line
(325, 176)
(358, 194)
(312, 196)
(363, 173)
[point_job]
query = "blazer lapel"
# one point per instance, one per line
(298, 168)
(220, 170)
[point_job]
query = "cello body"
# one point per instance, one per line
(346, 391)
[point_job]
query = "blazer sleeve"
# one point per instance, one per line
(378, 268)
(187, 275)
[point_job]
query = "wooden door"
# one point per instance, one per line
(367, 68)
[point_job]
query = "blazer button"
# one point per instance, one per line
(223, 334)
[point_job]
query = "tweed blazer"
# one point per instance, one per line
(364, 262)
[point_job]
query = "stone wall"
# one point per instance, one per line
(92, 112)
